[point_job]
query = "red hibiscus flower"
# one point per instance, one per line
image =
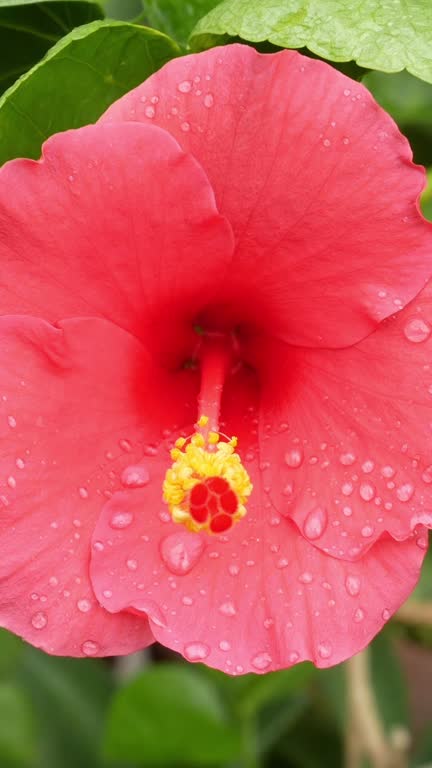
(215, 370)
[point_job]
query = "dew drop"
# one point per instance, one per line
(367, 531)
(84, 606)
(368, 466)
(181, 551)
(135, 476)
(405, 492)
(227, 609)
(83, 492)
(417, 330)
(261, 661)
(11, 482)
(386, 614)
(427, 475)
(121, 520)
(234, 569)
(125, 446)
(358, 615)
(185, 127)
(107, 593)
(196, 651)
(315, 523)
(367, 491)
(39, 620)
(224, 645)
(90, 648)
(282, 563)
(293, 657)
(12, 422)
(149, 112)
(353, 585)
(306, 578)
(325, 650)
(185, 86)
(294, 458)
(422, 542)
(20, 463)
(347, 459)
(388, 471)
(208, 100)
(98, 546)
(131, 564)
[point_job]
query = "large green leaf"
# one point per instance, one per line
(171, 716)
(69, 700)
(28, 29)
(175, 18)
(17, 731)
(78, 79)
(388, 35)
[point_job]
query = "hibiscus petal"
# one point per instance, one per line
(315, 179)
(259, 597)
(346, 435)
(79, 404)
(114, 221)
(251, 600)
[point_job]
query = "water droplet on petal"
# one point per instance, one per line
(261, 661)
(417, 330)
(306, 578)
(208, 100)
(185, 127)
(181, 551)
(347, 459)
(90, 648)
(293, 657)
(367, 491)
(228, 609)
(294, 457)
(315, 523)
(367, 531)
(325, 650)
(12, 422)
(196, 651)
(149, 112)
(39, 620)
(358, 615)
(185, 86)
(131, 565)
(386, 614)
(121, 520)
(405, 492)
(224, 645)
(135, 476)
(84, 606)
(353, 585)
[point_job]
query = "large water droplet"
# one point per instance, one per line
(315, 523)
(353, 585)
(196, 651)
(405, 492)
(90, 648)
(135, 476)
(325, 650)
(261, 661)
(121, 520)
(228, 609)
(294, 457)
(417, 330)
(84, 606)
(185, 86)
(367, 491)
(39, 620)
(208, 100)
(181, 551)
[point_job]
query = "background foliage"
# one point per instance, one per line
(62, 62)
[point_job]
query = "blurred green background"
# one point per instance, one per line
(152, 709)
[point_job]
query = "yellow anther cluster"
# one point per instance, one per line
(195, 459)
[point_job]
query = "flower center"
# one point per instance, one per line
(207, 486)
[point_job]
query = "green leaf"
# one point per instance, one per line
(426, 205)
(28, 30)
(175, 18)
(262, 690)
(171, 715)
(385, 36)
(69, 698)
(126, 10)
(17, 732)
(78, 79)
(11, 648)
